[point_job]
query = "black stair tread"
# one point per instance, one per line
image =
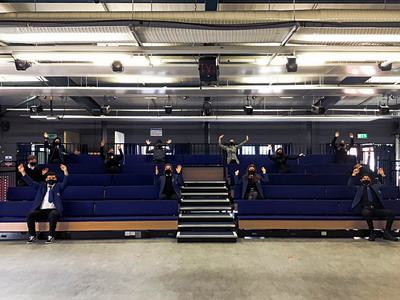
(207, 224)
(216, 207)
(204, 193)
(203, 187)
(204, 181)
(206, 216)
(209, 234)
(222, 200)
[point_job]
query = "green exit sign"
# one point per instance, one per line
(362, 135)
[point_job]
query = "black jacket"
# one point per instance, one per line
(244, 182)
(159, 153)
(280, 162)
(35, 174)
(111, 161)
(375, 188)
(341, 152)
(57, 152)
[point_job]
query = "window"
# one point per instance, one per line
(369, 157)
(264, 150)
(248, 150)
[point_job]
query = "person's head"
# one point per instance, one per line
(168, 169)
(110, 151)
(251, 169)
(366, 179)
(57, 141)
(232, 142)
(342, 144)
(279, 152)
(158, 144)
(51, 178)
(32, 160)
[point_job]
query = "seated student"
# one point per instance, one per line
(31, 168)
(47, 204)
(251, 182)
(341, 148)
(57, 150)
(280, 160)
(231, 149)
(159, 150)
(170, 183)
(112, 161)
(368, 201)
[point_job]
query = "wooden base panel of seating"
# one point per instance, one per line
(94, 226)
(310, 224)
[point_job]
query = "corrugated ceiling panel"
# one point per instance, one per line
(200, 36)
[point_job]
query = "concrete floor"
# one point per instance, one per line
(162, 269)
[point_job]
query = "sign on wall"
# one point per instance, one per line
(362, 136)
(155, 131)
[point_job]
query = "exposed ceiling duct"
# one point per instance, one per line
(342, 16)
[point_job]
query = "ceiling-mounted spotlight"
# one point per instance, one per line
(291, 65)
(248, 109)
(384, 109)
(317, 107)
(22, 65)
(168, 109)
(207, 107)
(117, 66)
(105, 110)
(186, 97)
(385, 66)
(253, 97)
(36, 109)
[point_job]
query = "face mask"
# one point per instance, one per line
(231, 144)
(366, 182)
(168, 172)
(279, 153)
(51, 181)
(33, 163)
(251, 171)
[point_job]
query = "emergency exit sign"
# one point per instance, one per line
(362, 136)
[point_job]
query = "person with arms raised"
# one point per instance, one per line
(47, 204)
(251, 182)
(231, 149)
(169, 183)
(341, 148)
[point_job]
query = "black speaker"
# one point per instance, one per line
(5, 125)
(208, 69)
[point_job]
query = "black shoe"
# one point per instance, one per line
(387, 235)
(31, 239)
(372, 237)
(50, 239)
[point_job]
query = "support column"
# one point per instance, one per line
(309, 138)
(104, 131)
(206, 136)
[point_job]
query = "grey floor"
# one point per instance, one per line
(162, 269)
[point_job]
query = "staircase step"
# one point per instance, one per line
(185, 194)
(201, 201)
(207, 225)
(206, 208)
(207, 188)
(201, 216)
(204, 182)
(224, 236)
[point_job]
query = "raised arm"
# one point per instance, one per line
(46, 140)
(351, 135)
(27, 179)
(156, 176)
(179, 177)
(244, 142)
(220, 143)
(121, 154)
(333, 143)
(237, 178)
(102, 154)
(271, 157)
(64, 183)
(264, 175)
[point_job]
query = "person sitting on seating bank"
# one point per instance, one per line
(47, 204)
(280, 160)
(368, 201)
(170, 183)
(251, 182)
(341, 148)
(231, 149)
(31, 168)
(112, 161)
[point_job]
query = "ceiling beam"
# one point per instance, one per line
(221, 1)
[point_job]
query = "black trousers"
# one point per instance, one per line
(369, 213)
(164, 196)
(251, 195)
(50, 215)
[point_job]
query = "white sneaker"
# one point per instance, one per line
(31, 239)
(50, 239)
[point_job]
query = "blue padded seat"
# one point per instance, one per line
(15, 209)
(288, 207)
(83, 159)
(20, 193)
(136, 208)
(78, 208)
(83, 193)
(294, 192)
(390, 192)
(340, 192)
(97, 168)
(89, 179)
(202, 160)
(344, 169)
(300, 217)
(138, 169)
(131, 192)
(132, 179)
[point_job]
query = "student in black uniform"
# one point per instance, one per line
(57, 150)
(368, 201)
(33, 171)
(341, 148)
(280, 160)
(170, 183)
(159, 150)
(251, 182)
(112, 161)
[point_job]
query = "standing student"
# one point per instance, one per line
(48, 202)
(159, 150)
(57, 150)
(231, 149)
(251, 182)
(369, 203)
(341, 148)
(31, 168)
(169, 183)
(280, 160)
(112, 162)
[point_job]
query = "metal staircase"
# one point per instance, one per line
(206, 213)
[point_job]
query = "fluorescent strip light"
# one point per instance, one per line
(19, 78)
(70, 35)
(140, 79)
(384, 79)
(350, 38)
(99, 59)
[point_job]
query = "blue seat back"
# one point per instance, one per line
(20, 193)
(131, 192)
(83, 193)
(136, 208)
